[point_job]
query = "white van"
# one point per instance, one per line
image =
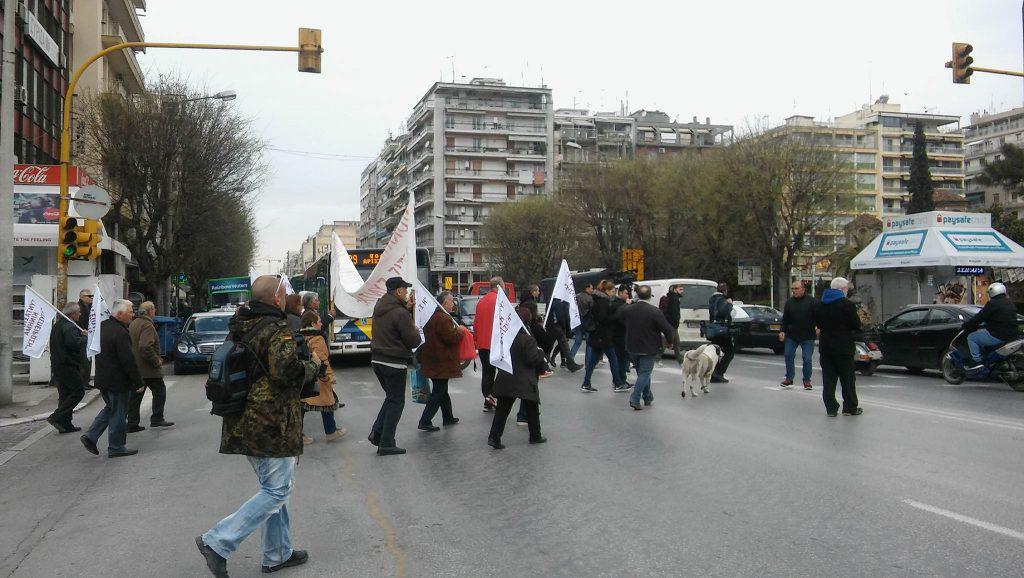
(693, 307)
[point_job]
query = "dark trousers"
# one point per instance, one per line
(392, 380)
(87, 371)
(439, 399)
(623, 358)
(561, 346)
(70, 391)
(155, 385)
(725, 342)
(487, 370)
(505, 404)
(678, 347)
(838, 366)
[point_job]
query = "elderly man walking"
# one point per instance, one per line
(645, 327)
(67, 358)
(116, 376)
(268, 431)
(836, 317)
(798, 332)
(146, 349)
(85, 306)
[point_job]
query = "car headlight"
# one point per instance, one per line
(192, 349)
(182, 348)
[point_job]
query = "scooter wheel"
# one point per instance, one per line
(951, 372)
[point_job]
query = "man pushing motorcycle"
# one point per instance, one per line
(1000, 319)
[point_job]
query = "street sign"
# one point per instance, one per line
(633, 260)
(964, 270)
(447, 283)
(90, 202)
(749, 272)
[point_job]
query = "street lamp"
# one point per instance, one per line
(223, 96)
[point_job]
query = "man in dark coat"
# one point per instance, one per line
(268, 431)
(394, 337)
(85, 304)
(67, 357)
(645, 327)
(527, 364)
(720, 313)
(673, 316)
(837, 320)
(116, 376)
(1000, 319)
(146, 349)
(798, 332)
(621, 299)
(599, 341)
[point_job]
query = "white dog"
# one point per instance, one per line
(698, 365)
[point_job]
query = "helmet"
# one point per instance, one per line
(996, 289)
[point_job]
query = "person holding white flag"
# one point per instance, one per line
(67, 357)
(38, 319)
(519, 378)
(439, 355)
(98, 313)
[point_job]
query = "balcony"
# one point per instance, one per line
(495, 152)
(122, 62)
(493, 127)
(123, 13)
(460, 219)
(461, 242)
(946, 170)
(490, 105)
(481, 175)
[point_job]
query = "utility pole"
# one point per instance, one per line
(7, 203)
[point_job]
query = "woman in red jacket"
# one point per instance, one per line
(439, 360)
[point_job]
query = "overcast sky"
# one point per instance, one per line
(734, 62)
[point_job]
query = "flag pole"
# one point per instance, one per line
(43, 299)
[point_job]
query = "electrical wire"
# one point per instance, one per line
(322, 155)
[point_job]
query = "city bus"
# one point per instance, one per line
(351, 336)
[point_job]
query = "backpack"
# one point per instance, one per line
(663, 303)
(232, 372)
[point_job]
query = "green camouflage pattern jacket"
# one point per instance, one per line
(271, 425)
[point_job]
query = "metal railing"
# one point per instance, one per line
(495, 127)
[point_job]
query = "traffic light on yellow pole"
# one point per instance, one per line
(79, 238)
(961, 63)
(310, 50)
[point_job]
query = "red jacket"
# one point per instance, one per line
(484, 320)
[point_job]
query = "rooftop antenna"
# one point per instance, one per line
(452, 59)
(871, 94)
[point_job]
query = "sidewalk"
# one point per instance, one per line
(34, 402)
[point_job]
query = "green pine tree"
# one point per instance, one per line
(920, 187)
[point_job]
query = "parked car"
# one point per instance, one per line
(199, 338)
(917, 337)
(465, 310)
(757, 326)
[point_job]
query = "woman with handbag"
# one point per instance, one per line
(439, 360)
(325, 402)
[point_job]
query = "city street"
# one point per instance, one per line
(749, 480)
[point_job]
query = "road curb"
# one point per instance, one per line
(90, 396)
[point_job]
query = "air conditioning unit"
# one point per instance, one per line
(463, 210)
(63, 60)
(462, 233)
(20, 94)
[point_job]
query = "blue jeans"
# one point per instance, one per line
(114, 416)
(580, 336)
(593, 356)
(981, 338)
(642, 388)
(268, 508)
(807, 348)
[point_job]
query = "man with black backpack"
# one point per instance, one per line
(267, 427)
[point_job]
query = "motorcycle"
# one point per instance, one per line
(1005, 363)
(866, 357)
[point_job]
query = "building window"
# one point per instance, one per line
(995, 198)
(478, 190)
(449, 187)
(510, 191)
(892, 121)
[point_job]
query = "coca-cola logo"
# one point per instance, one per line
(51, 214)
(32, 174)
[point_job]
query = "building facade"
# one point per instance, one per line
(984, 138)
(468, 147)
(319, 244)
(657, 135)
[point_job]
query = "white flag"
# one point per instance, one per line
(426, 305)
(564, 291)
(397, 260)
(287, 284)
(97, 315)
(39, 316)
(344, 276)
(506, 326)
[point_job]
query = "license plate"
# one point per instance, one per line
(875, 354)
(775, 327)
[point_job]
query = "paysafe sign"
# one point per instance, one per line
(981, 241)
(901, 244)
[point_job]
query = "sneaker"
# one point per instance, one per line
(217, 565)
(162, 423)
(428, 427)
(121, 453)
(538, 440)
(496, 444)
(833, 413)
(854, 411)
(649, 401)
(136, 428)
(392, 451)
(338, 434)
(546, 374)
(306, 440)
(622, 388)
(787, 383)
(586, 389)
(298, 558)
(635, 406)
(807, 385)
(719, 379)
(975, 366)
(452, 421)
(521, 421)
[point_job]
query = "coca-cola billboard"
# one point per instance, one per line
(48, 175)
(36, 187)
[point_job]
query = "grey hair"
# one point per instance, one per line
(119, 306)
(147, 307)
(497, 282)
(443, 295)
(307, 298)
(71, 308)
(840, 283)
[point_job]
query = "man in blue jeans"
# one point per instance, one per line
(999, 316)
(645, 327)
(798, 332)
(584, 301)
(268, 431)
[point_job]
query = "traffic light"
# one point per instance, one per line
(310, 50)
(79, 238)
(961, 63)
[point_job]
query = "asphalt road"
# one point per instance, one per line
(750, 480)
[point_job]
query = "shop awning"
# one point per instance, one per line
(939, 239)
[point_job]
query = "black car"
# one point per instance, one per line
(918, 336)
(757, 326)
(465, 310)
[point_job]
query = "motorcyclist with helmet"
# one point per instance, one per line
(1000, 319)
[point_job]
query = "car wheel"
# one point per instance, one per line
(915, 370)
(868, 368)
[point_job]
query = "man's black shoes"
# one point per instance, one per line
(854, 411)
(162, 423)
(374, 440)
(428, 427)
(719, 379)
(61, 428)
(122, 453)
(496, 444)
(538, 440)
(90, 445)
(218, 566)
(135, 428)
(392, 451)
(298, 558)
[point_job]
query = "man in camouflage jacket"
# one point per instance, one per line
(268, 431)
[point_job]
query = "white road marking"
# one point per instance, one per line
(818, 368)
(967, 520)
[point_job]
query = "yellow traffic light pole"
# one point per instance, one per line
(963, 65)
(309, 50)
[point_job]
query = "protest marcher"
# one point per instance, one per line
(528, 364)
(837, 320)
(599, 341)
(482, 325)
(720, 313)
(116, 376)
(622, 297)
(293, 312)
(146, 349)
(645, 327)
(326, 402)
(673, 316)
(67, 358)
(584, 301)
(85, 304)
(439, 361)
(798, 333)
(268, 432)
(311, 302)
(395, 335)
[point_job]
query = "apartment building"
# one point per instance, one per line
(984, 138)
(100, 24)
(657, 135)
(468, 147)
(581, 137)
